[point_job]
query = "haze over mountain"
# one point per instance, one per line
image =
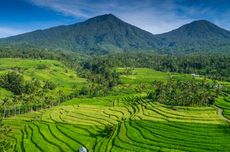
(107, 33)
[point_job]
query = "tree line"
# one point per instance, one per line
(214, 66)
(14, 82)
(30, 52)
(32, 95)
(102, 78)
(185, 92)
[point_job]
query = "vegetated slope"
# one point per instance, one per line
(42, 70)
(107, 34)
(223, 102)
(146, 126)
(4, 93)
(197, 36)
(122, 123)
(99, 34)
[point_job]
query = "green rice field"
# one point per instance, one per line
(124, 121)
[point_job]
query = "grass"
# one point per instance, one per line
(4, 93)
(54, 71)
(143, 126)
(224, 103)
(145, 75)
(148, 126)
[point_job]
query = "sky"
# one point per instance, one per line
(155, 16)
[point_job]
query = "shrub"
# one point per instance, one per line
(184, 92)
(41, 66)
(13, 82)
(49, 85)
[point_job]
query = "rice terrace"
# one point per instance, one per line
(104, 85)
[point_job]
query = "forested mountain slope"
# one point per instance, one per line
(108, 34)
(201, 36)
(101, 33)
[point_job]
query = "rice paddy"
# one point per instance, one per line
(117, 123)
(147, 126)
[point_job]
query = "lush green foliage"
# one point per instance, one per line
(199, 36)
(123, 119)
(145, 126)
(50, 108)
(185, 92)
(4, 144)
(29, 88)
(211, 66)
(100, 75)
(71, 59)
(223, 102)
(13, 82)
(97, 35)
(106, 34)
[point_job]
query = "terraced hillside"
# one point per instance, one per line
(144, 126)
(63, 78)
(223, 103)
(122, 121)
(42, 70)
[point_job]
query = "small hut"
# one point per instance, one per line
(82, 149)
(194, 75)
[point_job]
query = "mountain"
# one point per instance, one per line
(103, 33)
(107, 34)
(197, 36)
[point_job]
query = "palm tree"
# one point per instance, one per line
(15, 102)
(4, 103)
(61, 96)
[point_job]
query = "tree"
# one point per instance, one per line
(15, 102)
(49, 85)
(184, 92)
(4, 144)
(5, 102)
(13, 82)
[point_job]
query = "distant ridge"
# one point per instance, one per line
(108, 34)
(102, 33)
(200, 36)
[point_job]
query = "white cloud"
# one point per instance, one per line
(6, 31)
(154, 21)
(77, 8)
(155, 16)
(145, 14)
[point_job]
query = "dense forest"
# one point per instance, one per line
(101, 84)
(108, 34)
(214, 66)
(100, 72)
(102, 77)
(185, 92)
(210, 65)
(33, 95)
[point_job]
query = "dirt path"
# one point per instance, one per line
(220, 113)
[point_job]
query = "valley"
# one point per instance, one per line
(114, 76)
(123, 120)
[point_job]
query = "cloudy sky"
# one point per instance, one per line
(155, 16)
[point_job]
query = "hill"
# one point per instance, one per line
(198, 35)
(108, 34)
(101, 33)
(127, 122)
(43, 71)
